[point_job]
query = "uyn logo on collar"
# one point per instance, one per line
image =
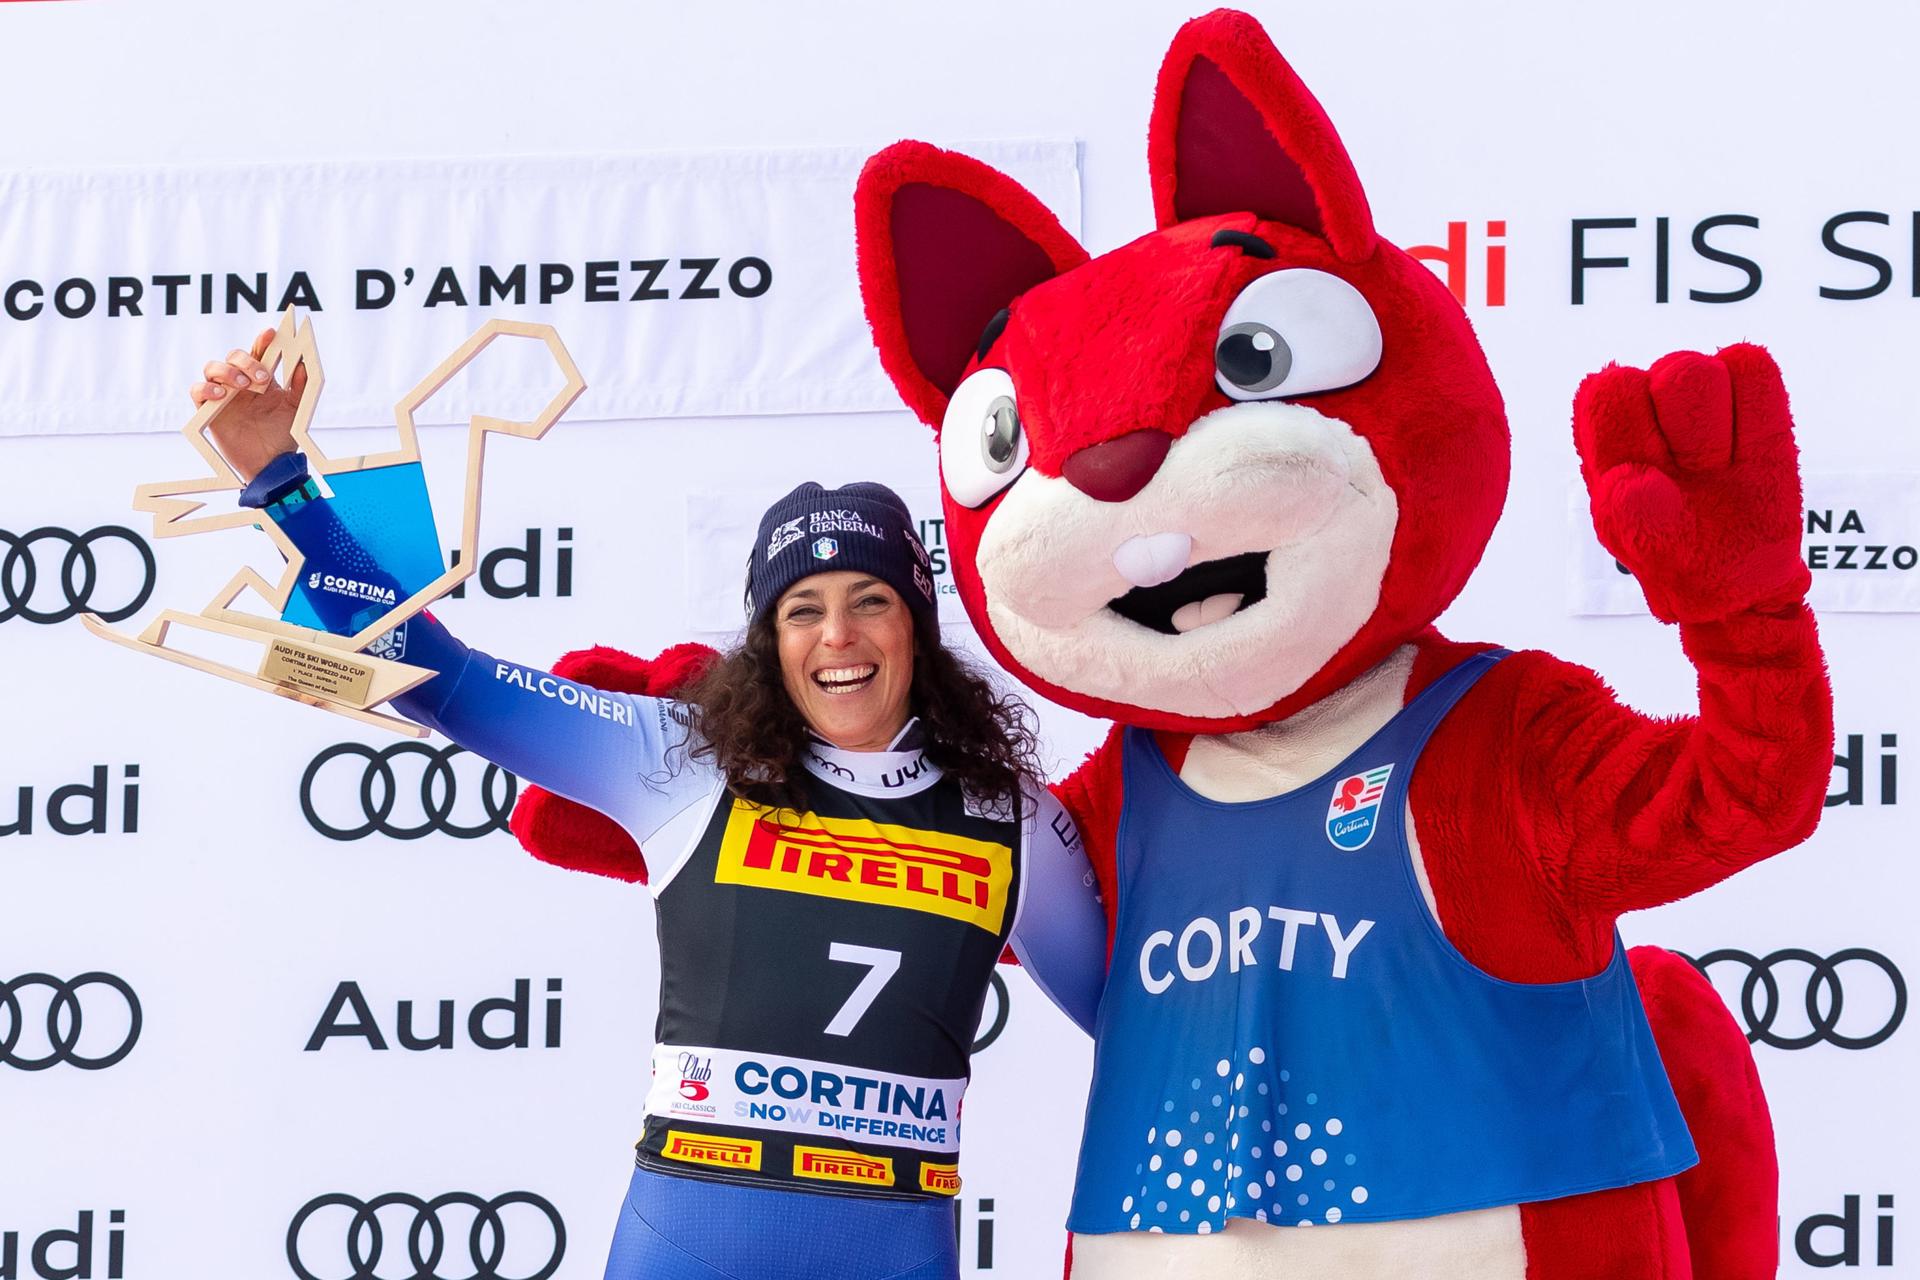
(1354, 811)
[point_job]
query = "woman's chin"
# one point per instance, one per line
(863, 726)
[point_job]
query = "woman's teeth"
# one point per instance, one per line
(846, 679)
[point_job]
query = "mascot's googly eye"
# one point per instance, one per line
(983, 448)
(1294, 332)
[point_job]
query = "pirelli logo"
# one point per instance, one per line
(827, 1165)
(941, 1179)
(864, 861)
(727, 1153)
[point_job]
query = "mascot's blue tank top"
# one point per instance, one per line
(1287, 1035)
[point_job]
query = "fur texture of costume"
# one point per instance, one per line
(1252, 568)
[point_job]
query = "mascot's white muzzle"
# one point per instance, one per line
(1255, 551)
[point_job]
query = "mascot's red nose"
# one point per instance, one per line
(1115, 470)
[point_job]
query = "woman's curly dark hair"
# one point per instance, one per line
(744, 721)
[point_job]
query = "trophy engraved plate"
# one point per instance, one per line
(330, 674)
(383, 495)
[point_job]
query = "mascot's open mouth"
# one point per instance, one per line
(1205, 593)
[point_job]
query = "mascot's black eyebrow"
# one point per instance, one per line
(1245, 241)
(995, 327)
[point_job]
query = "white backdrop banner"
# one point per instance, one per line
(193, 875)
(687, 285)
(1861, 539)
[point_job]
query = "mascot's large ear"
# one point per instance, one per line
(1235, 131)
(945, 243)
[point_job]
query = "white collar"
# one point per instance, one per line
(901, 770)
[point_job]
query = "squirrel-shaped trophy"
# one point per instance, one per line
(348, 674)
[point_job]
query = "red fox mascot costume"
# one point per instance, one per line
(1216, 485)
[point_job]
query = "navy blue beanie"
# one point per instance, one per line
(862, 527)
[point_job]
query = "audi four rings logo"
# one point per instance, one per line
(1764, 1003)
(358, 1234)
(50, 574)
(990, 1028)
(65, 1040)
(376, 805)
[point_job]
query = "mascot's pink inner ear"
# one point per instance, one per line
(959, 262)
(1229, 162)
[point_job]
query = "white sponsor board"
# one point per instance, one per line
(1860, 538)
(151, 143)
(683, 284)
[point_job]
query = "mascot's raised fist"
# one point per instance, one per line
(1695, 481)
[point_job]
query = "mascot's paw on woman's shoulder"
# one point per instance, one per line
(554, 829)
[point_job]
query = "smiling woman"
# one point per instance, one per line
(847, 655)
(845, 832)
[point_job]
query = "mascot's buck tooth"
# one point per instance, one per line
(1216, 485)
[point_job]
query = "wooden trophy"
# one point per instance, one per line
(306, 663)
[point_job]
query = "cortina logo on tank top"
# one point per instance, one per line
(859, 860)
(1354, 810)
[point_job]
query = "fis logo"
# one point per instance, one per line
(1353, 812)
(726, 1153)
(825, 1165)
(858, 860)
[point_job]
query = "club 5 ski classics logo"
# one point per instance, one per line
(50, 574)
(1785, 990)
(457, 1236)
(44, 1022)
(342, 805)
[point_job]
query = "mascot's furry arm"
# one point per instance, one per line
(1596, 809)
(571, 835)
